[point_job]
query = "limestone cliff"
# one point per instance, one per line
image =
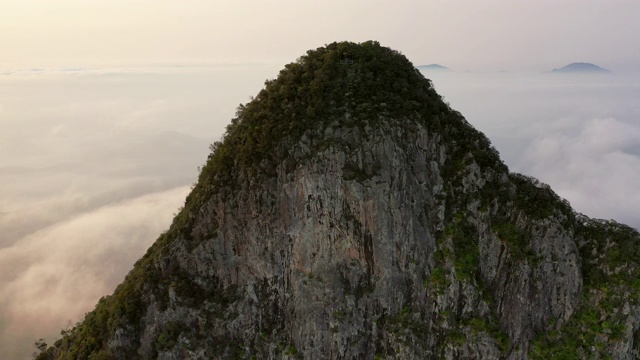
(349, 213)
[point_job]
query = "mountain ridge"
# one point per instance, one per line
(349, 212)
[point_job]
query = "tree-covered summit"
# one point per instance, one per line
(352, 78)
(342, 84)
(343, 80)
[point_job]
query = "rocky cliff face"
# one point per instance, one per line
(373, 225)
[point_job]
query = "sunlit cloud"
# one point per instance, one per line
(55, 275)
(93, 165)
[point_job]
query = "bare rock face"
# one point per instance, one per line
(383, 227)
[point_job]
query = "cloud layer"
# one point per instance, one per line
(53, 276)
(94, 163)
(93, 166)
(595, 164)
(579, 134)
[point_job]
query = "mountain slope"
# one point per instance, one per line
(350, 213)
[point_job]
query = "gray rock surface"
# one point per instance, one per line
(370, 235)
(323, 265)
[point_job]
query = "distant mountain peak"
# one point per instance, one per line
(434, 67)
(581, 67)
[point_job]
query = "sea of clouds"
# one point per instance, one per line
(95, 162)
(578, 133)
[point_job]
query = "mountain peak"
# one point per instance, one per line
(349, 212)
(342, 84)
(433, 67)
(581, 67)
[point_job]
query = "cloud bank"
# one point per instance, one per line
(94, 163)
(595, 164)
(53, 276)
(579, 134)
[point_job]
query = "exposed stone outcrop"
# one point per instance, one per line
(387, 238)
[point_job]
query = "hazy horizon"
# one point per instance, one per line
(107, 110)
(464, 35)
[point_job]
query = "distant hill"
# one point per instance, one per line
(433, 67)
(581, 68)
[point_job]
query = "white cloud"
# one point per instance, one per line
(579, 134)
(92, 168)
(58, 273)
(596, 168)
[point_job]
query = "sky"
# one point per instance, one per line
(107, 109)
(464, 34)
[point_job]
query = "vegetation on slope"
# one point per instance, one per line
(348, 85)
(610, 254)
